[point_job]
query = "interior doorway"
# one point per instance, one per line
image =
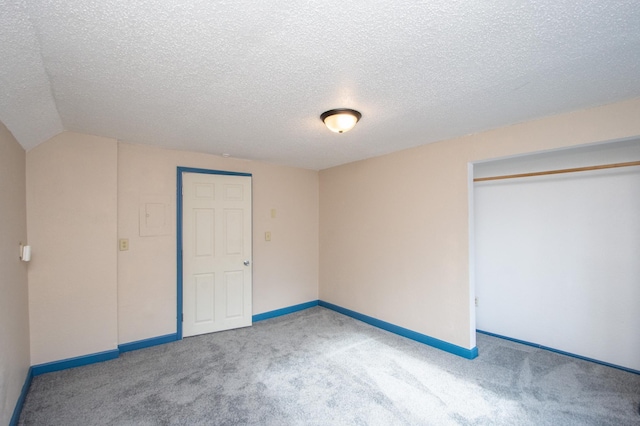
(214, 251)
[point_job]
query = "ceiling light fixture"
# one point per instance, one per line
(340, 120)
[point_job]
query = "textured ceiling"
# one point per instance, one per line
(250, 78)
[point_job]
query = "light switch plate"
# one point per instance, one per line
(267, 236)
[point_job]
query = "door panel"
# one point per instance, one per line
(234, 290)
(205, 299)
(233, 239)
(204, 232)
(216, 243)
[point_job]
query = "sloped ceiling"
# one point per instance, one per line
(250, 78)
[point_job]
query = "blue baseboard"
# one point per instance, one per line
(284, 311)
(64, 364)
(78, 361)
(147, 343)
(23, 394)
(546, 348)
(405, 332)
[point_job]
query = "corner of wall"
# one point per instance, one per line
(14, 305)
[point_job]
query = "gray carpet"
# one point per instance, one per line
(320, 367)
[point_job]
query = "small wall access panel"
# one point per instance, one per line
(155, 215)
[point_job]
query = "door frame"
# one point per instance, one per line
(180, 171)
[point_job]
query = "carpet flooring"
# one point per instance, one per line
(318, 367)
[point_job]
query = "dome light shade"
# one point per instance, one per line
(340, 120)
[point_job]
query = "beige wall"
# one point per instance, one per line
(84, 192)
(14, 305)
(395, 229)
(394, 240)
(72, 228)
(285, 270)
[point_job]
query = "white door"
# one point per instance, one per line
(216, 252)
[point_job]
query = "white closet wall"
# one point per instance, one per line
(558, 256)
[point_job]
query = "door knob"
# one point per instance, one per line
(246, 263)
